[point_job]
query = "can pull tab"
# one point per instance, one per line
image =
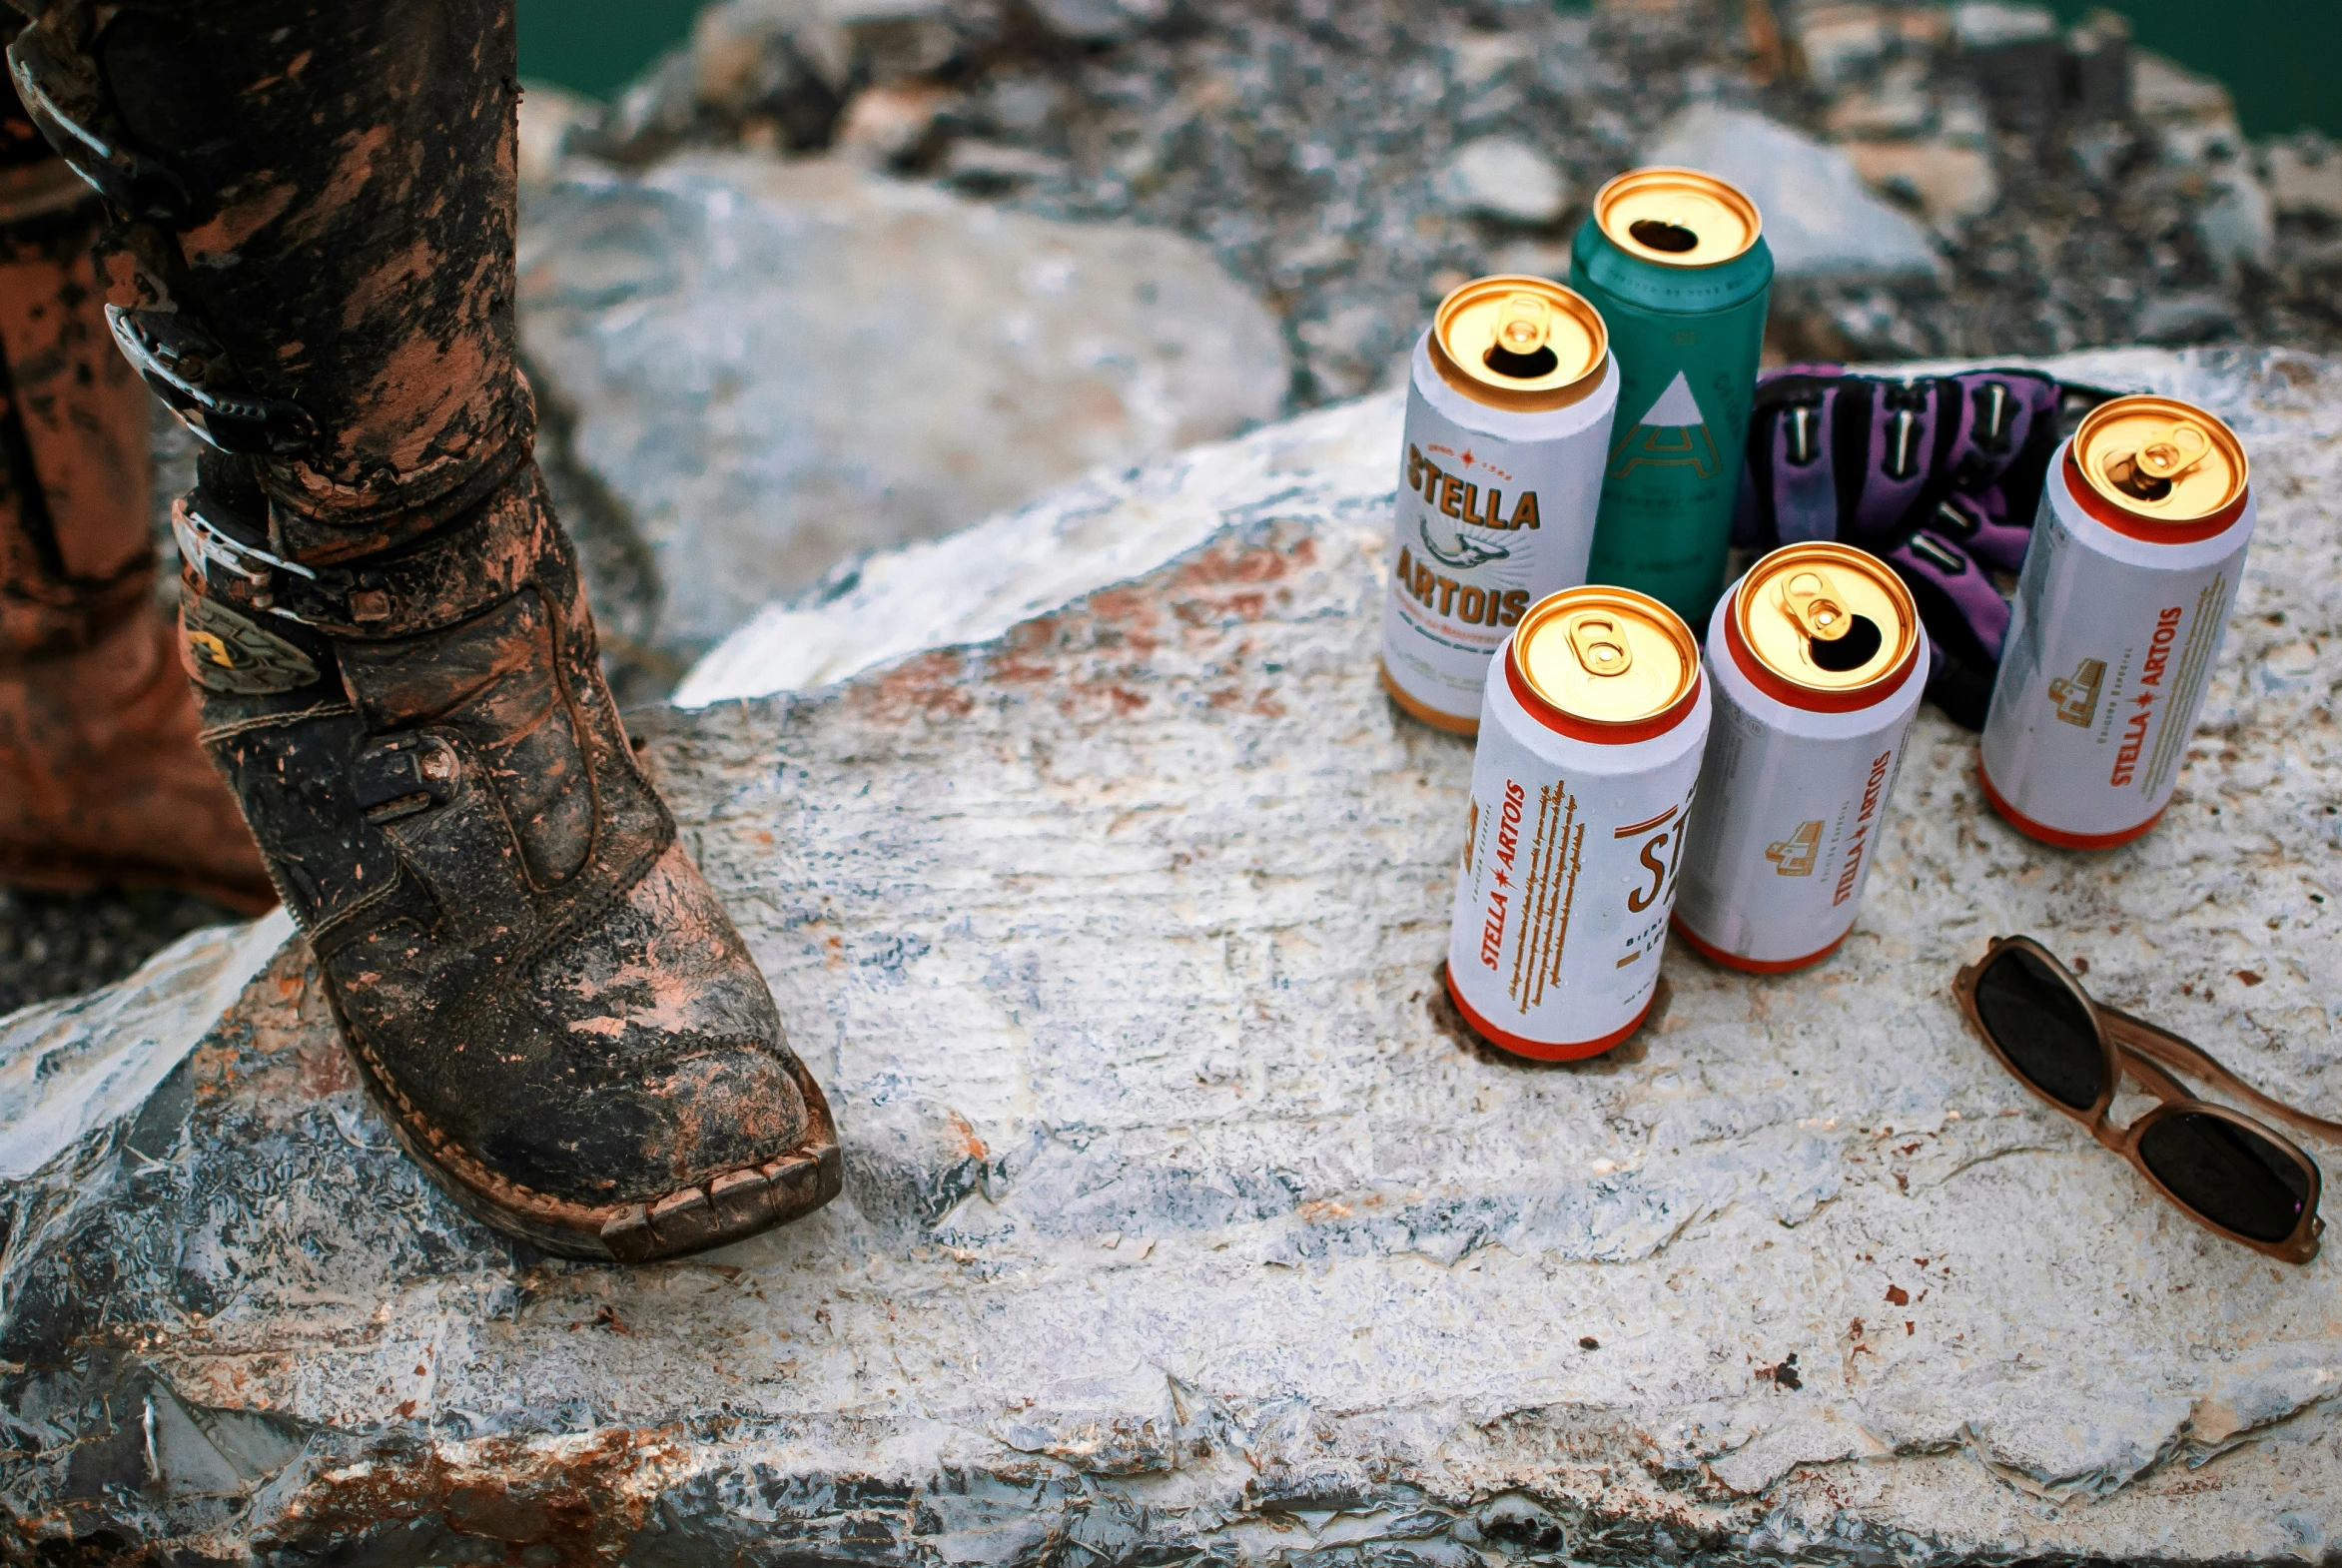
(2172, 454)
(1601, 646)
(1812, 600)
(1524, 324)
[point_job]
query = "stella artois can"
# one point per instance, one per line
(1676, 261)
(1508, 411)
(1590, 739)
(1819, 659)
(2124, 597)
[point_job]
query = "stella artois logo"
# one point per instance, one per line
(2076, 696)
(1795, 855)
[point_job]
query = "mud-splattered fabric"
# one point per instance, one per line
(101, 779)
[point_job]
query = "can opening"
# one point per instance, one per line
(2127, 475)
(1519, 347)
(1660, 234)
(1521, 366)
(1677, 217)
(1850, 650)
(1601, 646)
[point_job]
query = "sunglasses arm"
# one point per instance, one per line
(2143, 1039)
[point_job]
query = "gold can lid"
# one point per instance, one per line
(1826, 618)
(2159, 459)
(1520, 342)
(1677, 217)
(1605, 655)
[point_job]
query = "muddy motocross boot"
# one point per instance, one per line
(312, 264)
(101, 779)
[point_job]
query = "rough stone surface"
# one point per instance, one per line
(1184, 1223)
(974, 585)
(764, 366)
(1819, 219)
(1991, 24)
(54, 944)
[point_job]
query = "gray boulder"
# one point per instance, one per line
(1503, 178)
(1819, 219)
(1184, 1223)
(1100, 21)
(764, 368)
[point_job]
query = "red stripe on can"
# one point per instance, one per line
(1601, 734)
(1539, 1050)
(1806, 698)
(1752, 966)
(2057, 837)
(2087, 496)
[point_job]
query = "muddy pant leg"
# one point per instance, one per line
(101, 778)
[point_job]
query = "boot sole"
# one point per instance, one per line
(83, 874)
(716, 1212)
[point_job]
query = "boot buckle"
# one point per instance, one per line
(135, 184)
(403, 775)
(204, 544)
(177, 359)
(427, 792)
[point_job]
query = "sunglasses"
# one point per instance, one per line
(2224, 1170)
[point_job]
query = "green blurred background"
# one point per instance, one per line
(2280, 57)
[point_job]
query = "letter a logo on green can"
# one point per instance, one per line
(1672, 433)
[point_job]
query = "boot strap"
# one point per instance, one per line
(449, 578)
(425, 790)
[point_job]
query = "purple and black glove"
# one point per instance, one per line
(1938, 477)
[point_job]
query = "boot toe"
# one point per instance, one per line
(639, 1134)
(638, 1099)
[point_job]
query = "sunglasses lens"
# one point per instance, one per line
(2228, 1173)
(2041, 1027)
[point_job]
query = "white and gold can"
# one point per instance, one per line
(1500, 475)
(1593, 720)
(2134, 562)
(1819, 660)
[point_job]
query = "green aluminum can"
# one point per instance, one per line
(1677, 264)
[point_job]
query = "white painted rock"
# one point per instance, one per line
(1819, 219)
(1183, 1223)
(775, 365)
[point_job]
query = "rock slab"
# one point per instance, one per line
(1185, 1224)
(766, 367)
